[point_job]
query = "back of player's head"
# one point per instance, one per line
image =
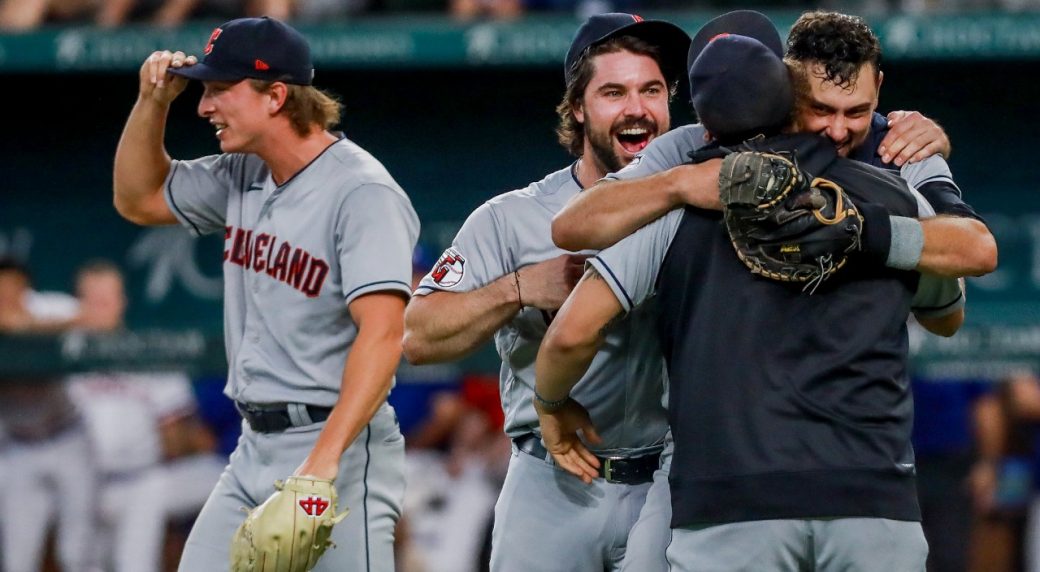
(841, 44)
(739, 84)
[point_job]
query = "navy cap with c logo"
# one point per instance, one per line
(670, 39)
(256, 48)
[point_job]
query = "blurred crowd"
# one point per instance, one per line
(22, 15)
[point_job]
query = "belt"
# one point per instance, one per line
(276, 418)
(623, 470)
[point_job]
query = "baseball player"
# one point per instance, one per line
(628, 282)
(134, 421)
(50, 475)
(503, 277)
(318, 243)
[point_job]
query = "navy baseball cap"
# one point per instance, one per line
(255, 48)
(739, 83)
(740, 88)
(742, 23)
(671, 39)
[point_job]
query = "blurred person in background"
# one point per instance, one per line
(944, 444)
(1003, 480)
(456, 461)
(24, 15)
(150, 444)
(50, 475)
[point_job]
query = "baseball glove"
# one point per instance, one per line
(783, 226)
(290, 531)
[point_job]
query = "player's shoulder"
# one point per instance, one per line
(360, 166)
(556, 188)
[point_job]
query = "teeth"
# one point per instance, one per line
(633, 131)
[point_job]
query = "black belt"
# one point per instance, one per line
(278, 418)
(623, 470)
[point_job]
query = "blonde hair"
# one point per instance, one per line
(306, 106)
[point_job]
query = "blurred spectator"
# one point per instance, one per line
(455, 465)
(1003, 475)
(149, 444)
(308, 10)
(50, 476)
(23, 15)
(496, 9)
(944, 446)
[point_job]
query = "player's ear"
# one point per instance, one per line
(278, 93)
(578, 109)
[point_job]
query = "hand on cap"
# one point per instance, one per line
(912, 137)
(157, 83)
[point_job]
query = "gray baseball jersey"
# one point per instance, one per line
(297, 255)
(622, 388)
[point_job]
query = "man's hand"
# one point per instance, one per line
(912, 137)
(560, 433)
(156, 84)
(547, 284)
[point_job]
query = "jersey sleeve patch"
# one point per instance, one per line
(450, 269)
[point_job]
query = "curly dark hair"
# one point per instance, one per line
(571, 133)
(839, 42)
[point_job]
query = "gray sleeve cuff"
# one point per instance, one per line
(907, 243)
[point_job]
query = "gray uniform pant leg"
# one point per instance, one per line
(869, 545)
(795, 545)
(649, 538)
(370, 484)
(138, 527)
(50, 481)
(549, 520)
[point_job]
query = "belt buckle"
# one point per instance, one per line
(608, 468)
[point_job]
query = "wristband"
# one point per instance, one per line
(907, 243)
(548, 405)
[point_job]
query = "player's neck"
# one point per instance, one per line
(288, 153)
(589, 171)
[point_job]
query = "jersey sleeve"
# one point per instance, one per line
(475, 258)
(630, 267)
(937, 296)
(934, 180)
(197, 190)
(375, 237)
(663, 153)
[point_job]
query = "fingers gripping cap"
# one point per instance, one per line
(257, 48)
(672, 42)
(739, 84)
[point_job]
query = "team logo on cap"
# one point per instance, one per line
(261, 65)
(212, 38)
(314, 506)
(450, 269)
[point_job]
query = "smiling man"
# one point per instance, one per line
(504, 277)
(317, 269)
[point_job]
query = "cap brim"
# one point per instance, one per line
(202, 72)
(741, 23)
